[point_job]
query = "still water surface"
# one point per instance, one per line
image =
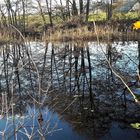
(124, 57)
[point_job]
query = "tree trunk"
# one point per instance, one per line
(87, 10)
(49, 8)
(109, 10)
(74, 9)
(81, 6)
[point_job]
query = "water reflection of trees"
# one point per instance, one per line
(70, 69)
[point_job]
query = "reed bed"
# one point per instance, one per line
(87, 33)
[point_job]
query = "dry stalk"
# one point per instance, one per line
(114, 72)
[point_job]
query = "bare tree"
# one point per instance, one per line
(49, 9)
(87, 9)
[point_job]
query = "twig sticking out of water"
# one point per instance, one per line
(114, 72)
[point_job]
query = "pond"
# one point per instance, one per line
(69, 90)
(27, 126)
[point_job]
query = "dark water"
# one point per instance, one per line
(58, 129)
(30, 71)
(116, 132)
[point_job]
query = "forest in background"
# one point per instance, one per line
(56, 17)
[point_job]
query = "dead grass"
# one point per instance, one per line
(81, 33)
(87, 34)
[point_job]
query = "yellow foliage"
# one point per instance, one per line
(136, 25)
(135, 125)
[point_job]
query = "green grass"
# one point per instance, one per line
(94, 17)
(102, 16)
(35, 22)
(129, 15)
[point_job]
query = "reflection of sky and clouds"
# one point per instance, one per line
(99, 71)
(26, 123)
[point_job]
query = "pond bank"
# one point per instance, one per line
(84, 34)
(112, 30)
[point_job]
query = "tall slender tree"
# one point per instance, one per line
(87, 9)
(49, 9)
